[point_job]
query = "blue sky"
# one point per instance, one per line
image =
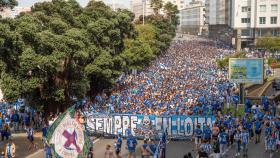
(29, 3)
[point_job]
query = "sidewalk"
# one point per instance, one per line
(22, 144)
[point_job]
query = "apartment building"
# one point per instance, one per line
(218, 15)
(192, 19)
(253, 19)
(242, 22)
(140, 7)
(12, 13)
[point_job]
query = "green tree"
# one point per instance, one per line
(156, 5)
(170, 10)
(7, 4)
(62, 51)
(269, 43)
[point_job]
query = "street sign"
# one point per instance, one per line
(246, 70)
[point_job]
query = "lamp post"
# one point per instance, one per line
(144, 9)
(114, 5)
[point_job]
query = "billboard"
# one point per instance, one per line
(176, 126)
(246, 70)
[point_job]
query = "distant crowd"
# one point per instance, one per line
(183, 81)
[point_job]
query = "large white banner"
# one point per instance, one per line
(181, 126)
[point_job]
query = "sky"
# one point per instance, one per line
(29, 3)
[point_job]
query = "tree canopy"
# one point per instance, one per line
(156, 5)
(8, 4)
(60, 51)
(268, 42)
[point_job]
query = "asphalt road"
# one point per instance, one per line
(175, 149)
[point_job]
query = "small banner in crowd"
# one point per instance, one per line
(161, 148)
(67, 136)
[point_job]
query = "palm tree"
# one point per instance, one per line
(156, 5)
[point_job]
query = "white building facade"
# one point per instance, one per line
(192, 19)
(140, 7)
(253, 19)
(12, 13)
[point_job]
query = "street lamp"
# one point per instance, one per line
(144, 9)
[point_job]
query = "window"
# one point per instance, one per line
(273, 20)
(245, 20)
(262, 8)
(262, 20)
(274, 8)
(249, 9)
(246, 9)
(274, 32)
(245, 32)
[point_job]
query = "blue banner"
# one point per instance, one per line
(176, 126)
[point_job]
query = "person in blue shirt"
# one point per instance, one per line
(30, 137)
(266, 106)
(249, 128)
(223, 139)
(27, 120)
(1, 123)
(244, 141)
(260, 115)
(258, 130)
(237, 141)
(207, 148)
(7, 120)
(131, 145)
(128, 131)
(44, 132)
(145, 152)
(152, 147)
(10, 150)
(48, 151)
(267, 132)
(198, 136)
(271, 143)
(118, 144)
(207, 133)
(15, 120)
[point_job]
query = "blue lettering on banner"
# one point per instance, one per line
(176, 126)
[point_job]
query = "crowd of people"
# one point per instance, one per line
(17, 120)
(186, 81)
(239, 131)
(183, 81)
